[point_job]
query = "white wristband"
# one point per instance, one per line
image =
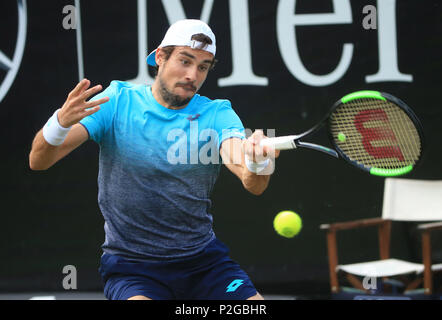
(256, 167)
(53, 132)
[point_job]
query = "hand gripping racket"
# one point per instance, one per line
(374, 131)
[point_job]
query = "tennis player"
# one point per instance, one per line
(153, 194)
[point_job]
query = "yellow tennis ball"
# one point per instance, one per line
(287, 223)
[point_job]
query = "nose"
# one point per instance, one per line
(191, 74)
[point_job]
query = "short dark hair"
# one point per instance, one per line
(168, 52)
(205, 41)
(200, 37)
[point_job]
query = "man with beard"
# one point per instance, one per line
(159, 240)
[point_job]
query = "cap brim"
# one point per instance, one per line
(151, 59)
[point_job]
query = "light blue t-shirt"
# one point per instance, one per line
(157, 168)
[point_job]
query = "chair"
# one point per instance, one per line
(404, 200)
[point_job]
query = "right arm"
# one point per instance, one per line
(44, 155)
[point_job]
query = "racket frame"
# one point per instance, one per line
(380, 96)
(293, 141)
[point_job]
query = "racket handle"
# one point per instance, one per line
(280, 143)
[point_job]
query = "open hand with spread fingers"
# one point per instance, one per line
(76, 107)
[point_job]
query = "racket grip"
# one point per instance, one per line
(280, 143)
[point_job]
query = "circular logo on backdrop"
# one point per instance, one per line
(9, 65)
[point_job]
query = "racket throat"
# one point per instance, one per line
(318, 147)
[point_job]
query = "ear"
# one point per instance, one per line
(159, 57)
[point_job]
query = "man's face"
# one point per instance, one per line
(182, 75)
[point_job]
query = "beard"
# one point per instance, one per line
(170, 98)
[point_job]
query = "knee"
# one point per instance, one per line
(257, 296)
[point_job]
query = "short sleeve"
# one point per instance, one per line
(228, 124)
(98, 123)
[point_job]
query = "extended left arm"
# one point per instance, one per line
(234, 152)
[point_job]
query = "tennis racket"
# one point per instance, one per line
(374, 131)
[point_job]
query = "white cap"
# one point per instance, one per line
(180, 34)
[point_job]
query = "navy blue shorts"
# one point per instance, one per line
(210, 275)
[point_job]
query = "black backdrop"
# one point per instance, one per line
(51, 219)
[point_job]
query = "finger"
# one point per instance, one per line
(81, 86)
(258, 133)
(92, 91)
(257, 153)
(90, 111)
(94, 103)
(257, 136)
(277, 152)
(269, 152)
(265, 151)
(248, 150)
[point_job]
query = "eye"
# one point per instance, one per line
(185, 62)
(203, 68)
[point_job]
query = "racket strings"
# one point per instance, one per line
(385, 143)
(375, 133)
